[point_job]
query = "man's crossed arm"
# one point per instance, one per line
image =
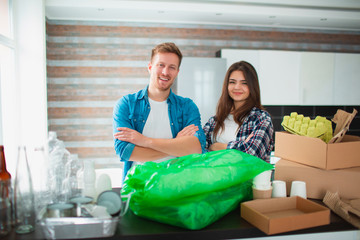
(149, 149)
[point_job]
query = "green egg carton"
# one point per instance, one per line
(319, 127)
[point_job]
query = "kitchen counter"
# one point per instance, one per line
(231, 226)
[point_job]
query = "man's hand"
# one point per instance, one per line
(217, 146)
(132, 136)
(184, 143)
(188, 131)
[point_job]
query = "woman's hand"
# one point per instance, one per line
(248, 138)
(220, 146)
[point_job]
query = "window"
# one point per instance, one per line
(7, 82)
(5, 18)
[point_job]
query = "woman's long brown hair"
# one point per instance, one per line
(226, 104)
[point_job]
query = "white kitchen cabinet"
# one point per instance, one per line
(278, 73)
(279, 77)
(201, 80)
(347, 79)
(303, 78)
(316, 78)
(236, 55)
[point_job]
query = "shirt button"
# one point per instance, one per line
(172, 123)
(143, 120)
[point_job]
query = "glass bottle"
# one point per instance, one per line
(41, 187)
(23, 195)
(5, 192)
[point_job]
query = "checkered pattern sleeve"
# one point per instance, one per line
(208, 130)
(261, 143)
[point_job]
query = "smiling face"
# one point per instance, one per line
(238, 88)
(163, 70)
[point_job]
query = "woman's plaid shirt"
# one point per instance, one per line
(259, 123)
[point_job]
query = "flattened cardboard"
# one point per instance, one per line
(278, 215)
(343, 181)
(342, 120)
(315, 152)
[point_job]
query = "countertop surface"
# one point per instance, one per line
(231, 226)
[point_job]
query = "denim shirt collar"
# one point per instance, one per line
(144, 95)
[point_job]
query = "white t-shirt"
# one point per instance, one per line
(158, 124)
(230, 131)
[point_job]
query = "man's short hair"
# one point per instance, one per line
(167, 47)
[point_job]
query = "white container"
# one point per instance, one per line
(298, 188)
(78, 227)
(263, 180)
(279, 189)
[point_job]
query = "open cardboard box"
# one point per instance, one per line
(342, 151)
(319, 181)
(315, 152)
(278, 215)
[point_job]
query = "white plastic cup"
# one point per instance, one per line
(298, 188)
(263, 180)
(279, 189)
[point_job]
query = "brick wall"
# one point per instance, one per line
(92, 64)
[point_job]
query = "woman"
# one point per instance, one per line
(241, 122)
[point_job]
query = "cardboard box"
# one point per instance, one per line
(315, 152)
(278, 215)
(318, 181)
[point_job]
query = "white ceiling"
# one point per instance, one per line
(302, 14)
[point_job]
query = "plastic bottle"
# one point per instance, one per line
(53, 142)
(72, 168)
(89, 179)
(59, 158)
(5, 189)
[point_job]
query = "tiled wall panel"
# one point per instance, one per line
(92, 64)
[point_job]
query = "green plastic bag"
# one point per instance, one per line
(192, 191)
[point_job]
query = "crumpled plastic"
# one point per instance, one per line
(192, 191)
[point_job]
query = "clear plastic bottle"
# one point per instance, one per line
(72, 167)
(53, 142)
(59, 157)
(89, 179)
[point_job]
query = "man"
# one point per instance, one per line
(154, 124)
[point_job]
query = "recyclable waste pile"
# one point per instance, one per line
(63, 170)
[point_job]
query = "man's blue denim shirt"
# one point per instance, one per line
(132, 111)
